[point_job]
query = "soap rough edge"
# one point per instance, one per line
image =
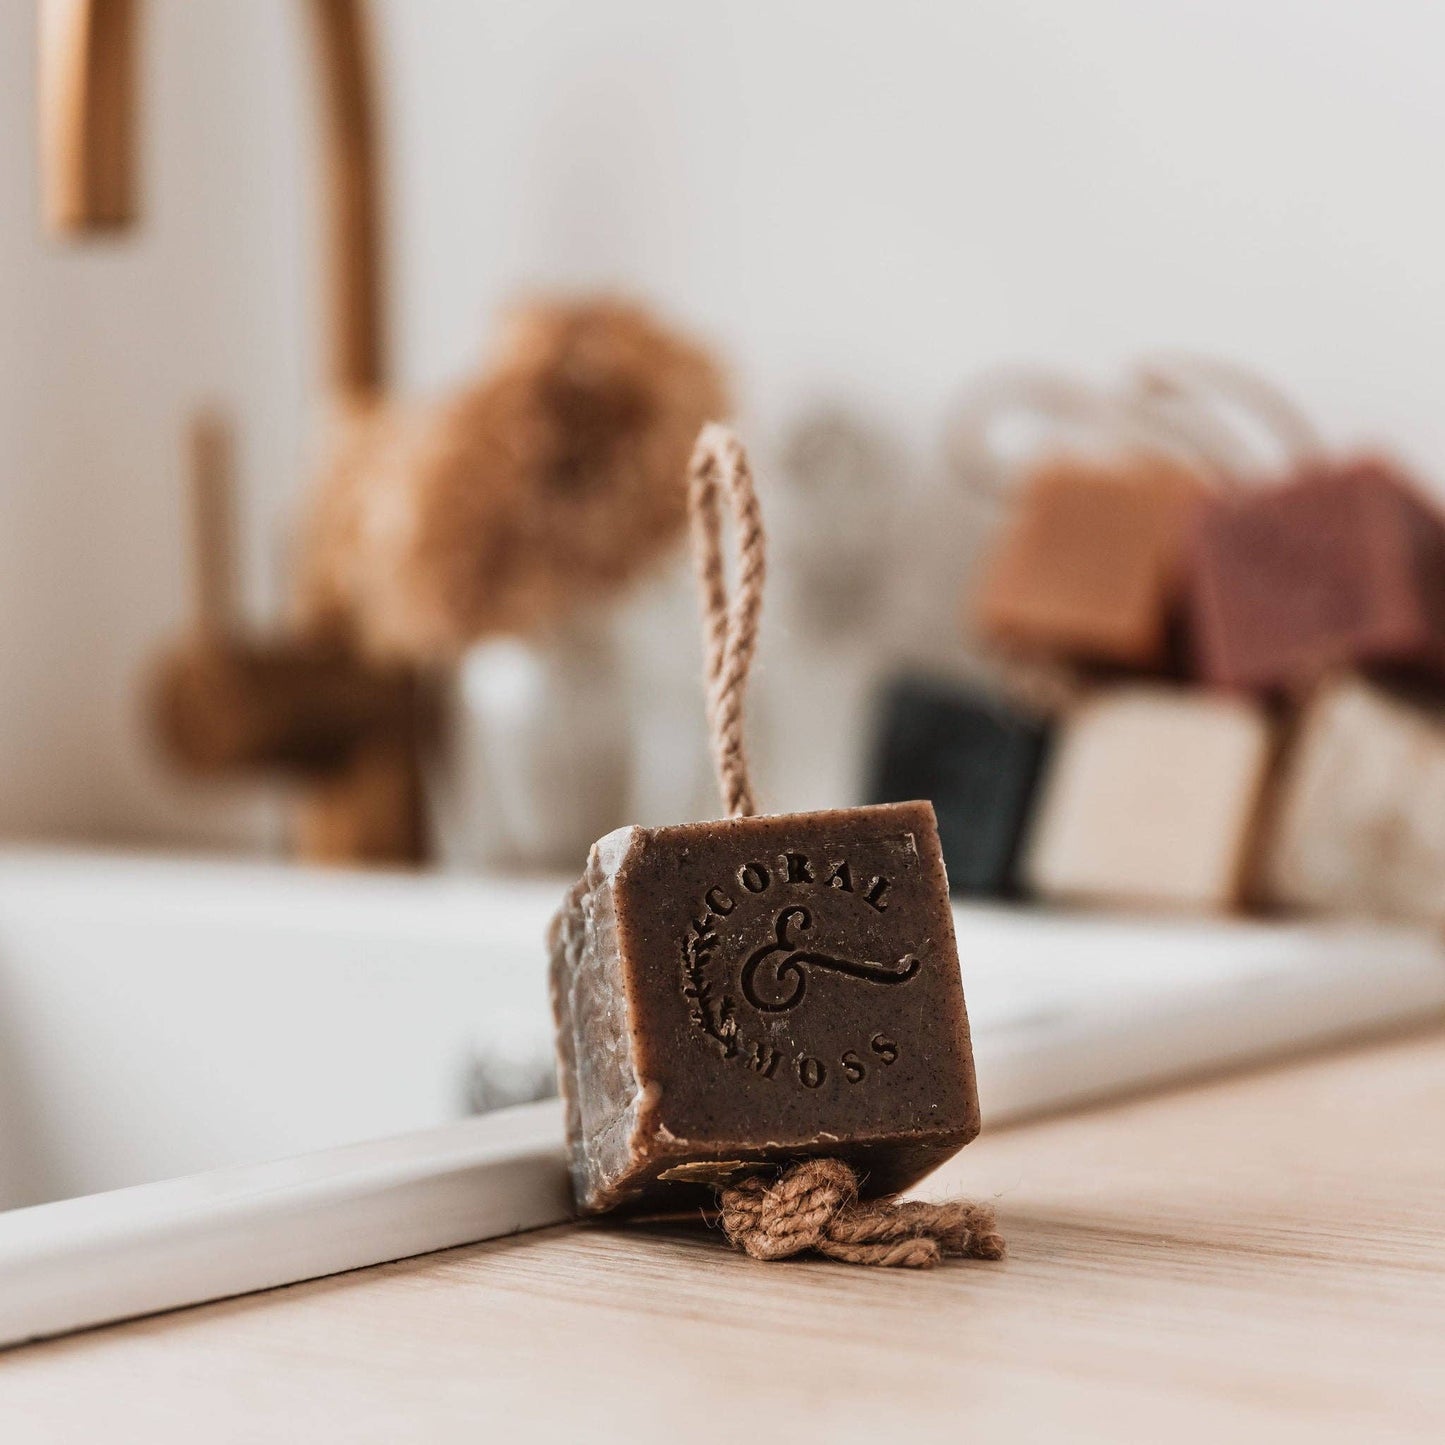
(585, 974)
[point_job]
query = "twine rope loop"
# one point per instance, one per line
(730, 625)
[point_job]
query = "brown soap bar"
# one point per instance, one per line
(1345, 565)
(1090, 565)
(755, 991)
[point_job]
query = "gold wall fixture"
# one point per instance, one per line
(363, 800)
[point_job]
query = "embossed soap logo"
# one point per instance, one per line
(724, 963)
(775, 978)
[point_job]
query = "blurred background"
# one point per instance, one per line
(851, 206)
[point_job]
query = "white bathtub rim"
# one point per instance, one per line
(153, 1247)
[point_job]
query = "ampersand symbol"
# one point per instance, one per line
(787, 966)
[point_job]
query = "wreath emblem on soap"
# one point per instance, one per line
(773, 975)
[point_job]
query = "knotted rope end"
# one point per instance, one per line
(815, 1206)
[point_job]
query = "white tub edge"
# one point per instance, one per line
(154, 1247)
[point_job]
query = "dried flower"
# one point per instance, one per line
(541, 488)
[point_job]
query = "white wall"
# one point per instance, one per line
(865, 199)
(104, 348)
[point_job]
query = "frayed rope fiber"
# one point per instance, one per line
(815, 1206)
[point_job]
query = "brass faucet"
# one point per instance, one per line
(226, 702)
(90, 176)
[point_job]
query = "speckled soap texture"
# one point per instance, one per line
(759, 990)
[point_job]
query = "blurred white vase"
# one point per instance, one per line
(535, 761)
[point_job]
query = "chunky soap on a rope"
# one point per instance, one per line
(1344, 566)
(1089, 567)
(764, 994)
(1151, 799)
(755, 991)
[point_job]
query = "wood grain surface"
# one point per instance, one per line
(1261, 1258)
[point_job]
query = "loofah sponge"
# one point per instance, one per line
(550, 482)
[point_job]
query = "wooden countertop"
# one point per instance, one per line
(1258, 1258)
